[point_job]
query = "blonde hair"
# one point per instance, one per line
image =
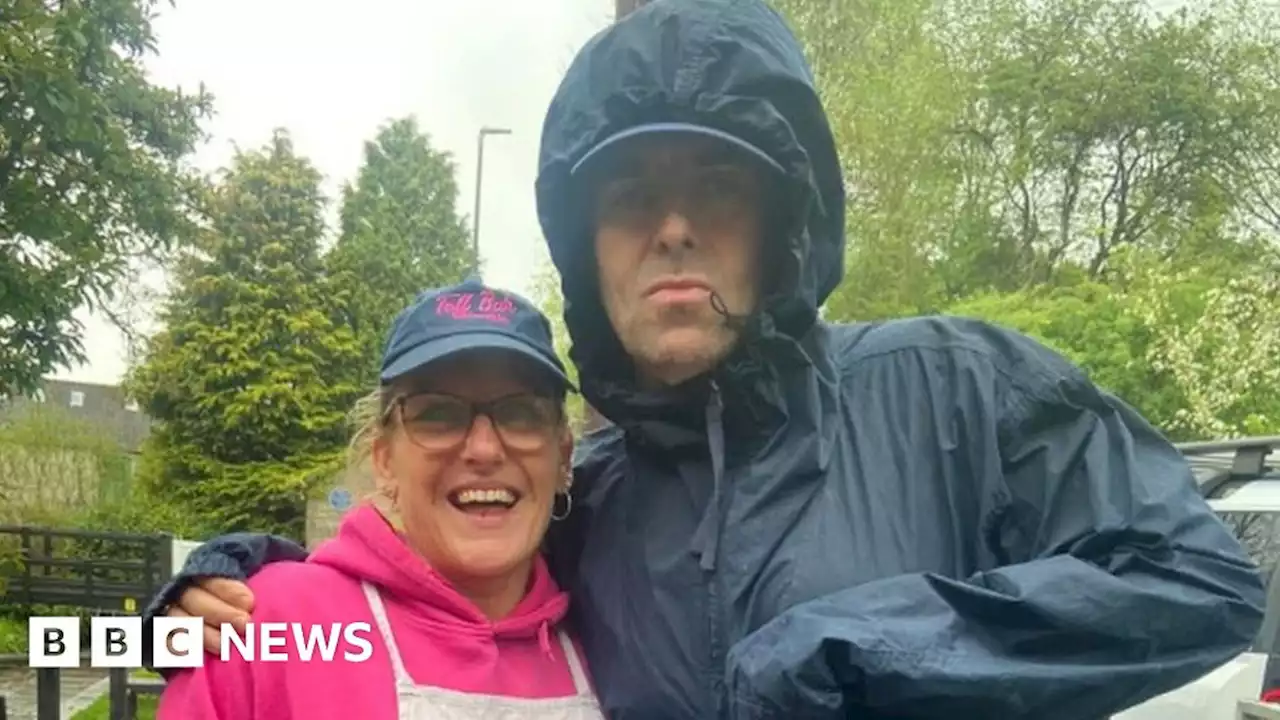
(367, 418)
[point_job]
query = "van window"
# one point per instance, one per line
(1259, 532)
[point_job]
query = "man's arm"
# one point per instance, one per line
(237, 688)
(1120, 584)
(233, 557)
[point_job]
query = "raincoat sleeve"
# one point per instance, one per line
(1116, 582)
(235, 556)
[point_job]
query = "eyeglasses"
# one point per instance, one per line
(439, 421)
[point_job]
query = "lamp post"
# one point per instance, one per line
(623, 8)
(475, 229)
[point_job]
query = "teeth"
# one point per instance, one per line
(486, 496)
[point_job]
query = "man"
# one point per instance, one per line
(926, 518)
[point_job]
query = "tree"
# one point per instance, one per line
(1097, 329)
(90, 171)
(1192, 348)
(891, 100)
(1096, 173)
(993, 145)
(1109, 126)
(246, 380)
(550, 300)
(1219, 346)
(400, 234)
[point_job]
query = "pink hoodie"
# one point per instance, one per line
(444, 639)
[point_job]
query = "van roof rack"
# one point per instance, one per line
(1217, 462)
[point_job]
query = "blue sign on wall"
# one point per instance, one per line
(340, 499)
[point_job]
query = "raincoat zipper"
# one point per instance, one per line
(711, 546)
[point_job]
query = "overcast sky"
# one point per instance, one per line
(332, 73)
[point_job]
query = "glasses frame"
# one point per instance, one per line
(396, 407)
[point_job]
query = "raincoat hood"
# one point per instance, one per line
(731, 66)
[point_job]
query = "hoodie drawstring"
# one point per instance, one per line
(544, 638)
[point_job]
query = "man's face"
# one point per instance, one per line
(677, 218)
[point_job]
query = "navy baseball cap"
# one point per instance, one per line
(669, 128)
(469, 316)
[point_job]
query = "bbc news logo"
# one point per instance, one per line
(116, 642)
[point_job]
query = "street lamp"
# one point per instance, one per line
(475, 229)
(623, 8)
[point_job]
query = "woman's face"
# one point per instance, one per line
(474, 498)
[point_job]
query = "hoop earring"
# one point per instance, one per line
(568, 506)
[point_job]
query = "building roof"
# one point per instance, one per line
(103, 406)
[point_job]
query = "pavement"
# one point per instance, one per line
(80, 687)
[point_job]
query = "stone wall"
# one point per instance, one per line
(322, 517)
(322, 521)
(49, 477)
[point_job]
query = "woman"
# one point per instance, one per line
(468, 442)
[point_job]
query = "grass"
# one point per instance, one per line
(13, 636)
(100, 709)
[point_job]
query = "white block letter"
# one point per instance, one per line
(53, 642)
(306, 645)
(185, 635)
(268, 641)
(354, 639)
(229, 638)
(115, 642)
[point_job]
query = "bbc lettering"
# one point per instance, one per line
(116, 642)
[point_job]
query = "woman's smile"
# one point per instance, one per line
(487, 506)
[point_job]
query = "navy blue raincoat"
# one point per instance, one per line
(929, 518)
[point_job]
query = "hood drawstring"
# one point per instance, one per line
(707, 538)
(544, 638)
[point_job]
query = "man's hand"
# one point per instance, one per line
(216, 601)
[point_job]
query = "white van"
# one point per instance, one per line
(1238, 483)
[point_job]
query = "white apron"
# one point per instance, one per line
(422, 702)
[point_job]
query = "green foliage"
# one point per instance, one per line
(1095, 327)
(550, 300)
(267, 343)
(1095, 173)
(49, 457)
(1219, 346)
(140, 512)
(100, 709)
(993, 145)
(137, 511)
(90, 174)
(1111, 126)
(891, 99)
(400, 235)
(1192, 348)
(246, 381)
(13, 635)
